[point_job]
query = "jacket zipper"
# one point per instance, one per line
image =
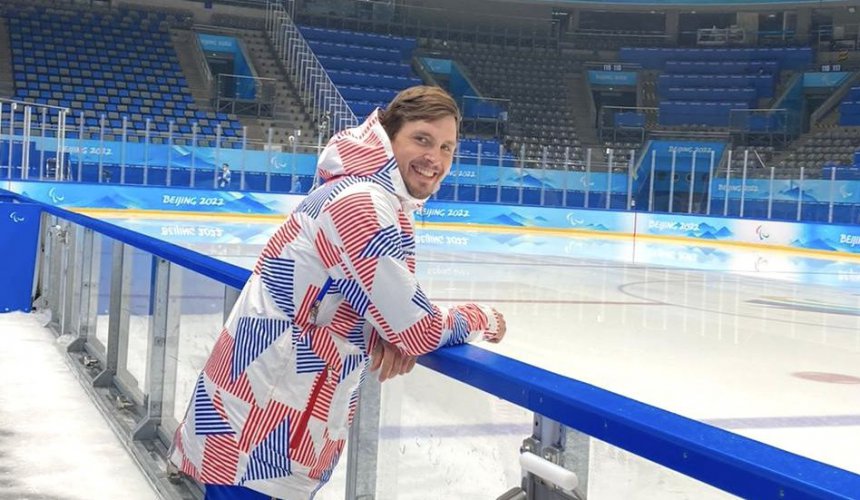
(295, 439)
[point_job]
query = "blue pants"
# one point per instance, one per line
(218, 492)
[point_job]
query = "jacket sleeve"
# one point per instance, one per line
(360, 243)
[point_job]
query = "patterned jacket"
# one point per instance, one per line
(272, 406)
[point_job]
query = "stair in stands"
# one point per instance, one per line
(290, 112)
(184, 45)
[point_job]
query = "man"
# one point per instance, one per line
(224, 176)
(336, 283)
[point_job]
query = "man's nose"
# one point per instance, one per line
(433, 156)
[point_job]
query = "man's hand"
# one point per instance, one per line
(390, 361)
(501, 328)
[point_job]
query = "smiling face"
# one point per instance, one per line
(424, 151)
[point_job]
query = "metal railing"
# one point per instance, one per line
(140, 315)
(246, 95)
(330, 111)
(37, 144)
(202, 63)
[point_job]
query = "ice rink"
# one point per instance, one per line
(762, 343)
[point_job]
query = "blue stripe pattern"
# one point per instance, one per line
(421, 300)
(352, 292)
(407, 242)
(252, 337)
(314, 202)
(383, 175)
(307, 360)
(356, 335)
(277, 275)
(460, 332)
(350, 363)
(207, 421)
(385, 243)
(271, 458)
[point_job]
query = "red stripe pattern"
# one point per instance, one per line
(356, 233)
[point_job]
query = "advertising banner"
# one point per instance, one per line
(821, 237)
(113, 197)
(810, 191)
(527, 217)
(704, 229)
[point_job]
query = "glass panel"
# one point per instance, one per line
(615, 473)
(132, 362)
(104, 246)
(443, 439)
(201, 303)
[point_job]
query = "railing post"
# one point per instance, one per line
(692, 183)
(25, 144)
(8, 173)
(522, 183)
(672, 183)
(832, 194)
(770, 194)
(244, 151)
(169, 174)
(146, 152)
(651, 180)
(71, 273)
(86, 287)
(744, 182)
(217, 156)
(43, 125)
(631, 163)
(609, 168)
(587, 177)
(499, 175)
(478, 174)
(101, 146)
(457, 177)
(543, 177)
(193, 154)
(118, 312)
(164, 324)
(12, 108)
(61, 144)
(566, 175)
(269, 137)
(363, 451)
(800, 194)
(122, 150)
(728, 185)
(710, 184)
(81, 122)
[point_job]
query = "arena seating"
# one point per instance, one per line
(849, 109)
(118, 63)
(536, 81)
(703, 86)
(368, 69)
(813, 151)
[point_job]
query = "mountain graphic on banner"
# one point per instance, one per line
(816, 244)
(510, 219)
(252, 205)
(794, 192)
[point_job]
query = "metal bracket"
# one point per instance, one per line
(549, 442)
